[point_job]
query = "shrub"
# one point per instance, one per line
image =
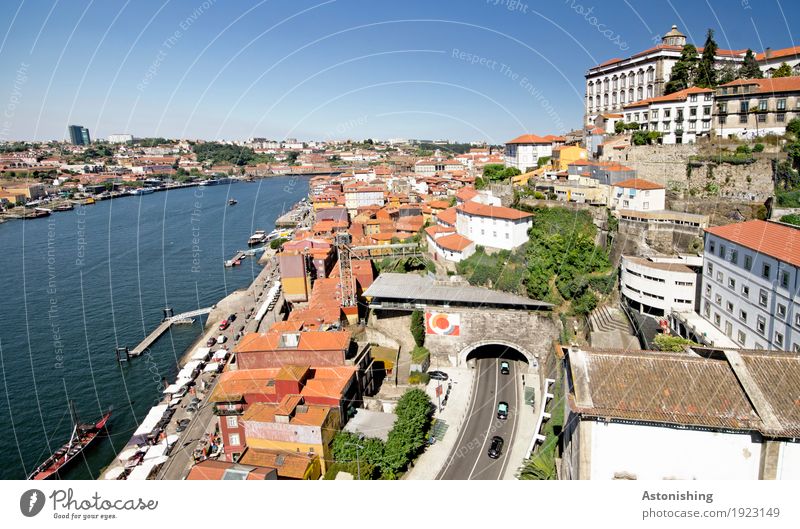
(367, 469)
(791, 219)
(277, 243)
(416, 377)
(538, 195)
(418, 327)
(744, 149)
(667, 342)
(758, 147)
(419, 354)
(793, 126)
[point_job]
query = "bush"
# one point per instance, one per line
(419, 354)
(418, 327)
(367, 469)
(758, 147)
(791, 219)
(667, 342)
(744, 149)
(538, 195)
(416, 377)
(793, 127)
(277, 243)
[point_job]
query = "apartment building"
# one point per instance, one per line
(523, 152)
(771, 60)
(660, 284)
(754, 107)
(493, 226)
(750, 284)
(680, 117)
(638, 194)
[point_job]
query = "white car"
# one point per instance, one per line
(222, 339)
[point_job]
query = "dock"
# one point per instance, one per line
(236, 259)
(162, 328)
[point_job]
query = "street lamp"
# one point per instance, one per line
(358, 460)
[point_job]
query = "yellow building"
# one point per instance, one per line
(565, 155)
(292, 426)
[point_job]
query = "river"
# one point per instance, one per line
(78, 284)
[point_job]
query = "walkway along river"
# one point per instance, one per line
(78, 284)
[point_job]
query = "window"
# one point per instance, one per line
(729, 306)
(728, 329)
(731, 283)
(692, 98)
(711, 246)
(762, 105)
(765, 271)
(785, 279)
(707, 309)
(743, 315)
(797, 318)
(233, 421)
(780, 117)
(781, 310)
(719, 277)
(716, 319)
(734, 256)
(707, 97)
(762, 118)
(706, 125)
(710, 269)
(718, 299)
(796, 348)
(233, 439)
(667, 112)
(693, 111)
(722, 251)
(740, 337)
(706, 111)
(778, 339)
(762, 297)
(646, 205)
(761, 325)
(654, 115)
(708, 290)
(780, 104)
(746, 291)
(748, 262)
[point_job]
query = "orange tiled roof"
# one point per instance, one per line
(789, 53)
(288, 464)
(312, 415)
(453, 242)
(498, 212)
(448, 216)
(309, 341)
(680, 95)
(466, 193)
(776, 240)
(768, 86)
(531, 138)
(638, 183)
(215, 470)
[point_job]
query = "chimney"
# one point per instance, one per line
(768, 53)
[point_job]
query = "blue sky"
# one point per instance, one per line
(219, 69)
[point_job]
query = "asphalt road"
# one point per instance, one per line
(469, 459)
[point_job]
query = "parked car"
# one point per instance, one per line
(182, 425)
(231, 317)
(438, 375)
(191, 408)
(224, 324)
(211, 342)
(502, 410)
(180, 393)
(504, 369)
(496, 447)
(222, 339)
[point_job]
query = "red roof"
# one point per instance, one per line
(532, 138)
(454, 242)
(788, 53)
(309, 341)
(466, 193)
(680, 95)
(448, 216)
(638, 183)
(667, 47)
(767, 86)
(769, 238)
(498, 212)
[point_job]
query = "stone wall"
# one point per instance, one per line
(642, 238)
(669, 165)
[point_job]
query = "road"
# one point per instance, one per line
(469, 459)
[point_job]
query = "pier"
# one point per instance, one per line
(166, 323)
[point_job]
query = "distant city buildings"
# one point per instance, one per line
(79, 135)
(120, 138)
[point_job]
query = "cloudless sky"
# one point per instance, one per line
(328, 69)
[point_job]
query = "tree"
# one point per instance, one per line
(794, 126)
(619, 127)
(682, 73)
(668, 342)
(418, 327)
(727, 73)
(539, 466)
(706, 72)
(750, 69)
(407, 436)
(784, 70)
(791, 219)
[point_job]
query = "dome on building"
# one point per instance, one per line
(674, 37)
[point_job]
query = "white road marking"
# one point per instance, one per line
(486, 438)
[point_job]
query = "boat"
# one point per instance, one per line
(232, 201)
(143, 191)
(64, 207)
(82, 436)
(258, 237)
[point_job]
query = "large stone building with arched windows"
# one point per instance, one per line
(619, 82)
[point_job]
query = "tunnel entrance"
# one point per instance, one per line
(496, 349)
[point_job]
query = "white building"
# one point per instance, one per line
(750, 289)
(356, 196)
(663, 416)
(771, 60)
(680, 117)
(446, 244)
(430, 167)
(638, 194)
(493, 226)
(120, 138)
(621, 81)
(523, 152)
(659, 285)
(754, 107)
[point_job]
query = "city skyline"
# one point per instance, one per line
(213, 71)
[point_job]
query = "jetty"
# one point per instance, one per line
(166, 323)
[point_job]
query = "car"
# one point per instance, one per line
(232, 317)
(191, 408)
(195, 401)
(502, 410)
(504, 369)
(211, 342)
(180, 393)
(496, 448)
(224, 324)
(182, 425)
(438, 375)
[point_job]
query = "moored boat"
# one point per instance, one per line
(258, 237)
(82, 436)
(232, 202)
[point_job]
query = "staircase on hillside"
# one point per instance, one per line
(608, 319)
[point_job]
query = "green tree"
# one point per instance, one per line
(749, 68)
(784, 70)
(407, 436)
(682, 73)
(418, 327)
(619, 127)
(539, 466)
(671, 343)
(706, 72)
(791, 219)
(727, 73)
(793, 127)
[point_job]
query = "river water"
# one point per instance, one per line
(78, 284)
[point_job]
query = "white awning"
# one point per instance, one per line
(113, 473)
(150, 421)
(201, 353)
